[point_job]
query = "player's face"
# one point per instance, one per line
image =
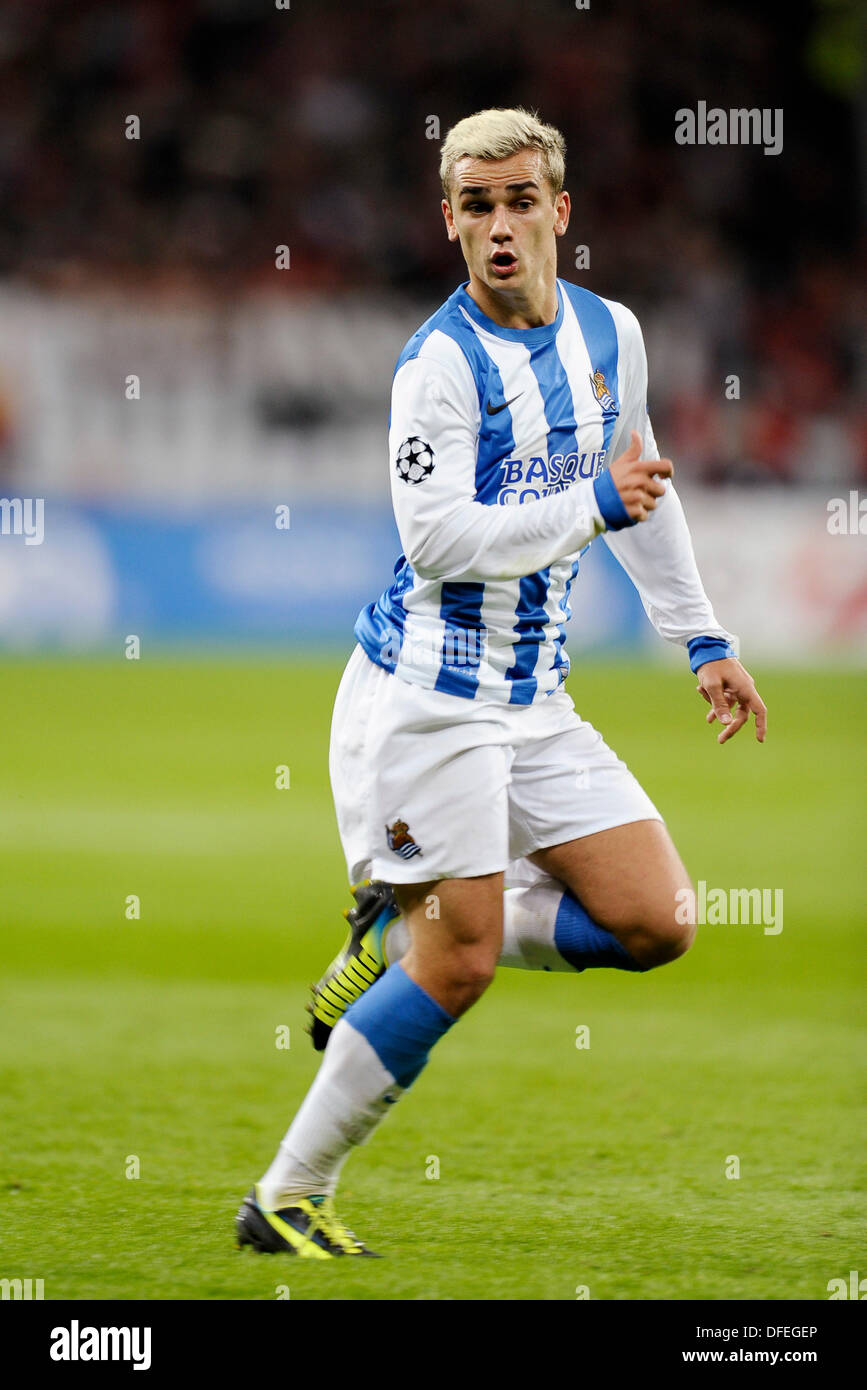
(506, 217)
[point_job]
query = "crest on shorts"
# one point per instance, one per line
(400, 840)
(601, 392)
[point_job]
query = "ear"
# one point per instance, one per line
(562, 209)
(449, 220)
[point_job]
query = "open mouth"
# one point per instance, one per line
(504, 263)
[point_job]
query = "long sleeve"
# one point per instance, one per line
(445, 533)
(657, 554)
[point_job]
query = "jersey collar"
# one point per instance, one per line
(532, 337)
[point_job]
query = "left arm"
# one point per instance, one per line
(658, 557)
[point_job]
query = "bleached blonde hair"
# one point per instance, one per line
(498, 133)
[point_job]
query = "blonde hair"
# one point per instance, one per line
(498, 133)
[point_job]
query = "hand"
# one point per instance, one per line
(636, 479)
(724, 684)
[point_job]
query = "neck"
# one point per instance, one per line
(517, 308)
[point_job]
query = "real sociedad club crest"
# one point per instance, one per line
(400, 840)
(601, 392)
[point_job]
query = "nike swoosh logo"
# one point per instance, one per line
(495, 409)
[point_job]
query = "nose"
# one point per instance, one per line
(500, 229)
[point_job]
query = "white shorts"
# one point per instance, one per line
(429, 785)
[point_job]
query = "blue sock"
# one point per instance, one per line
(586, 945)
(401, 1022)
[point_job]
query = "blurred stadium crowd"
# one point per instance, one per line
(309, 126)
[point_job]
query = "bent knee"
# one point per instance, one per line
(674, 941)
(466, 978)
(663, 939)
(473, 971)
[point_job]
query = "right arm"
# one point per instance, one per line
(447, 535)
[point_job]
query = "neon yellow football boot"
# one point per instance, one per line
(360, 962)
(310, 1228)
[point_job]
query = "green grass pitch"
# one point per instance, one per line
(605, 1167)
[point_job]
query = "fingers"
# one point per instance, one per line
(639, 481)
(720, 699)
(641, 493)
(742, 714)
(647, 481)
(650, 485)
(663, 468)
(723, 684)
(749, 702)
(758, 707)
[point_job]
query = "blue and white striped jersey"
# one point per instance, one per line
(496, 438)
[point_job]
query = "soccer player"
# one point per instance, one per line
(518, 433)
